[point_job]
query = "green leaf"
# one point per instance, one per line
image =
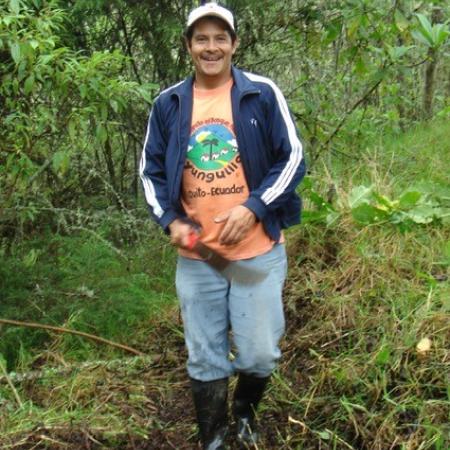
(353, 26)
(103, 112)
(14, 6)
(34, 44)
(419, 37)
(409, 199)
(145, 94)
(83, 90)
(319, 201)
(384, 202)
(366, 214)
(30, 259)
(2, 362)
(306, 183)
(358, 195)
(383, 356)
(440, 34)
(29, 84)
(446, 253)
(422, 214)
(314, 216)
(360, 66)
(325, 435)
(114, 105)
(61, 162)
(332, 31)
(15, 51)
(396, 53)
(425, 27)
(400, 21)
(101, 133)
(72, 129)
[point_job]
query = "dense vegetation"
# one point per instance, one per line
(366, 356)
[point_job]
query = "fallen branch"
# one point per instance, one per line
(74, 332)
(11, 385)
(115, 365)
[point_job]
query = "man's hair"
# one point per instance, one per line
(189, 32)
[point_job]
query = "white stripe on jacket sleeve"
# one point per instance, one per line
(295, 158)
(149, 189)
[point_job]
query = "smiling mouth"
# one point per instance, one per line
(211, 58)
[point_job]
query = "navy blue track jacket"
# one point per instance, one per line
(270, 151)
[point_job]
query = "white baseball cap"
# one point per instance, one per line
(211, 9)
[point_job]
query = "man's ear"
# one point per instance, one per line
(187, 44)
(235, 46)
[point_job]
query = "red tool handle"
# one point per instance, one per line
(192, 240)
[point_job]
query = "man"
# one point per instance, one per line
(221, 162)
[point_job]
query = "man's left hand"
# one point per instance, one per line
(238, 222)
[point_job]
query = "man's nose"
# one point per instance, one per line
(211, 44)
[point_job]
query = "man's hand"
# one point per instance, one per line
(238, 222)
(179, 233)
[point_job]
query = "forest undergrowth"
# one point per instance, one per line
(366, 354)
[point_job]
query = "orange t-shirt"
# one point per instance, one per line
(213, 178)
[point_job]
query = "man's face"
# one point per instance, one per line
(211, 49)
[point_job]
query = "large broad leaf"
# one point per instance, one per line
(440, 34)
(421, 38)
(409, 199)
(359, 195)
(367, 214)
(423, 214)
(426, 29)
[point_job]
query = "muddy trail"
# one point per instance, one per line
(137, 403)
(337, 387)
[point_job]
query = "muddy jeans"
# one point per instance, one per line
(211, 305)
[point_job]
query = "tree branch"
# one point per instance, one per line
(66, 330)
(345, 117)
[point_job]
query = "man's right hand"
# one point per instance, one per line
(179, 233)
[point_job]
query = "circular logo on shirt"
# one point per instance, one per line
(211, 146)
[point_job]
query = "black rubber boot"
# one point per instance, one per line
(210, 401)
(247, 395)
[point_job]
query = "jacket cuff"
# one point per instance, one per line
(167, 218)
(257, 206)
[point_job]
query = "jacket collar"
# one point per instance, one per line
(241, 83)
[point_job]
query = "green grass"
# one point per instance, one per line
(81, 282)
(393, 163)
(358, 300)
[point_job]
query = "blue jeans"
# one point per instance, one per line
(211, 305)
